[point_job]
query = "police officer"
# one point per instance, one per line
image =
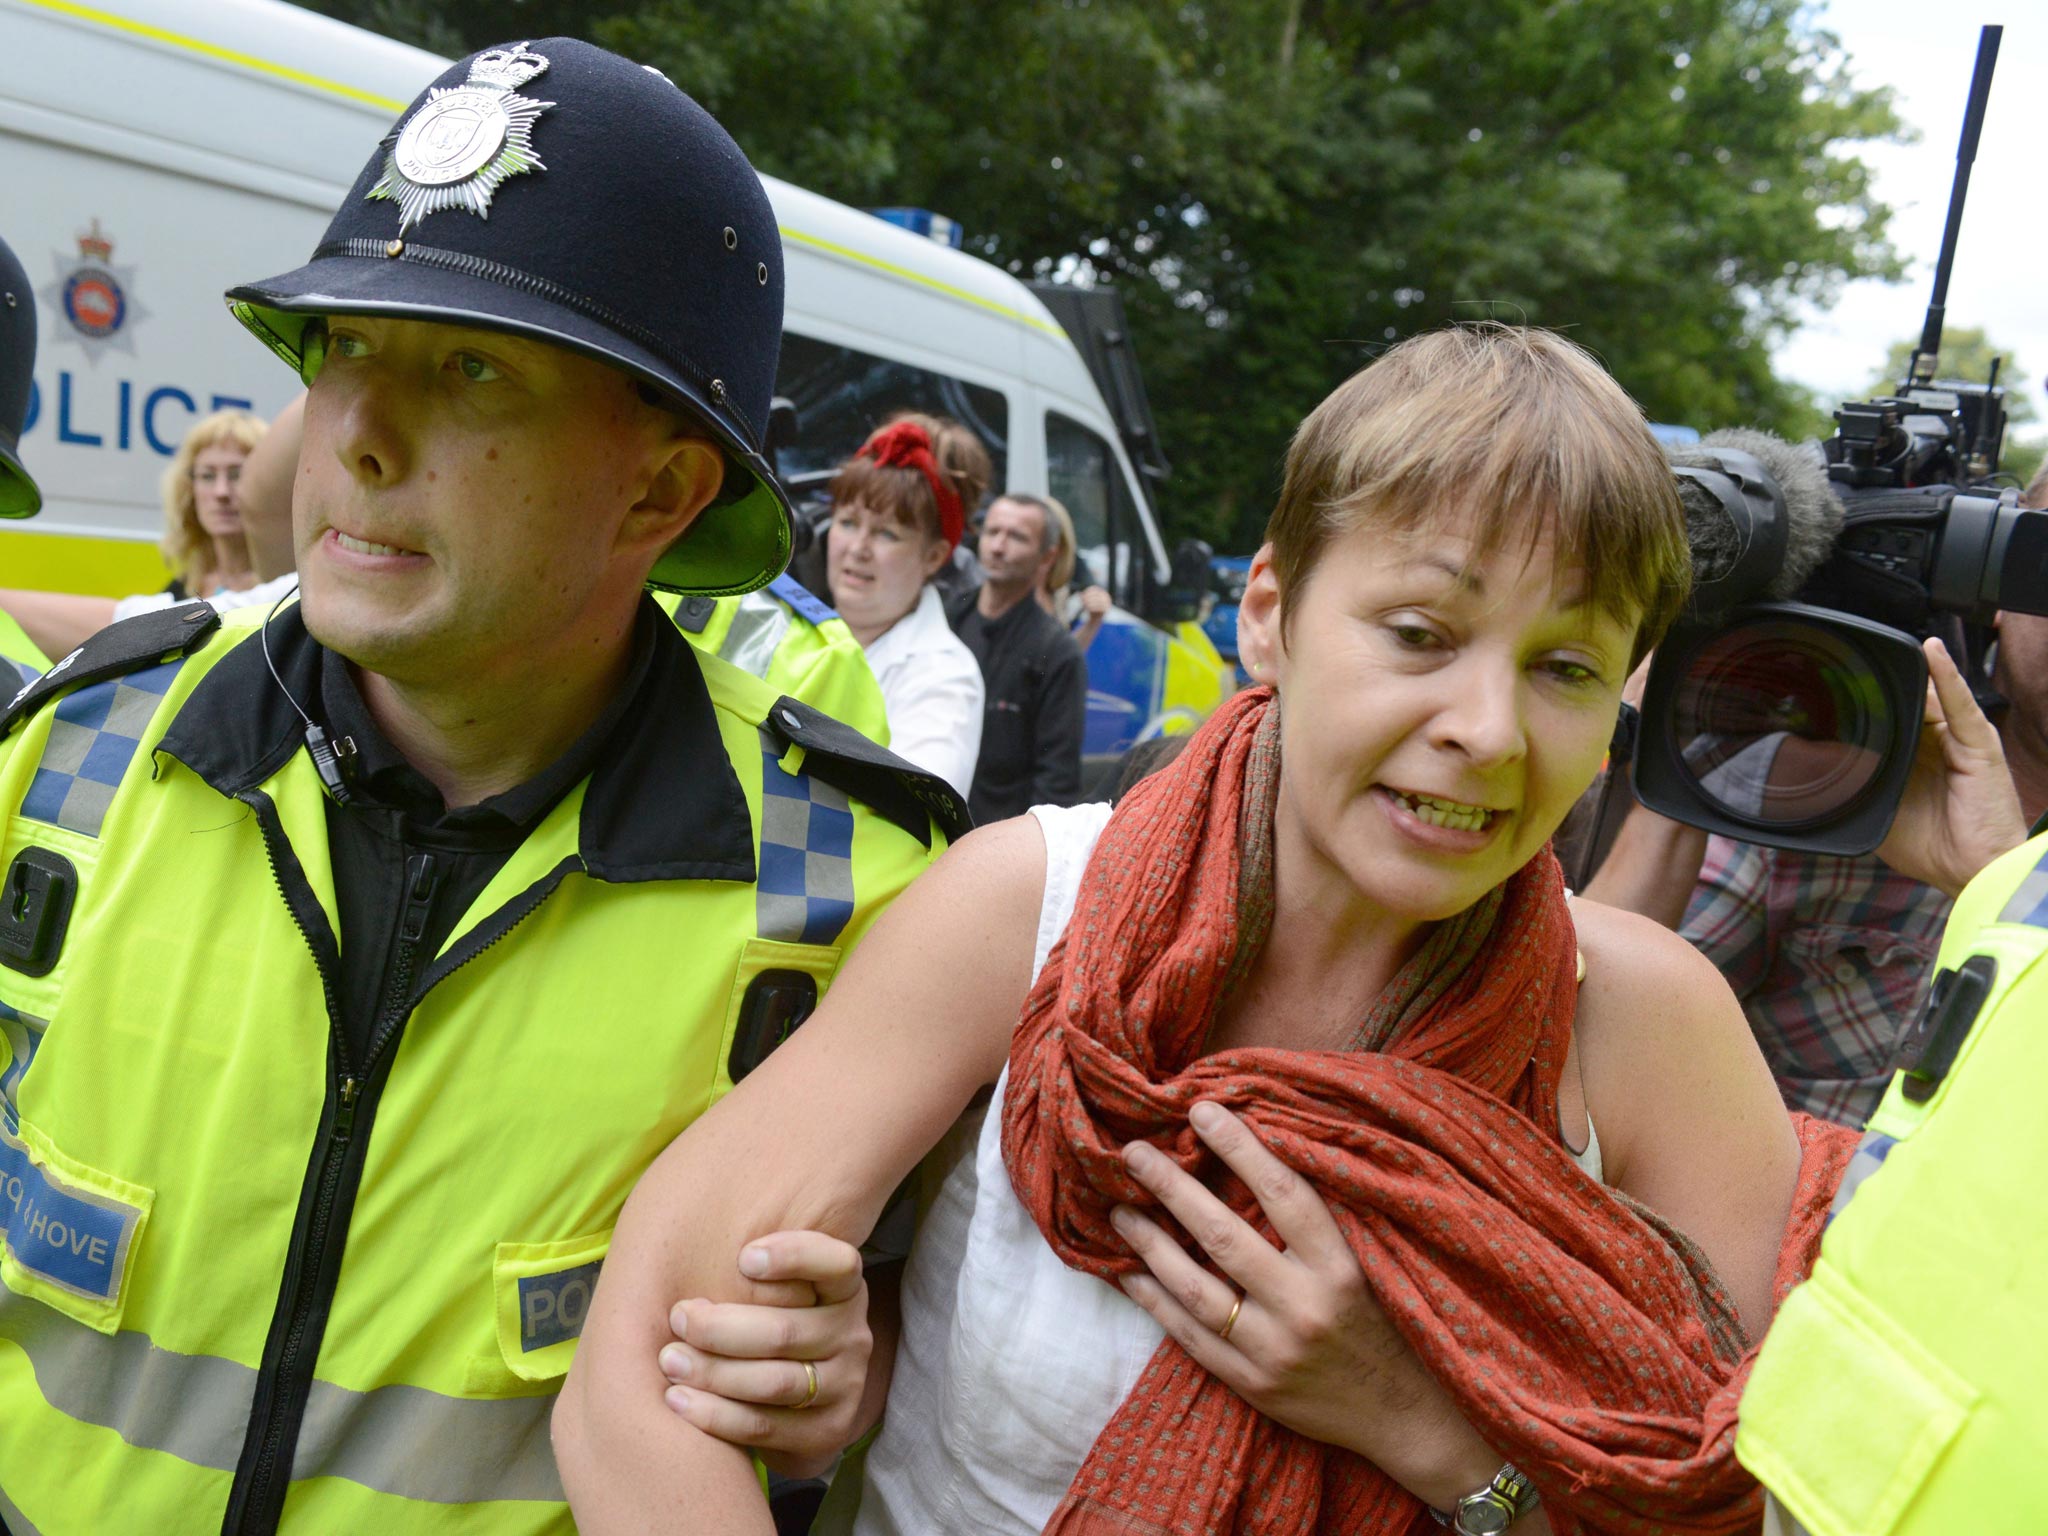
(18, 494)
(795, 642)
(1899, 1390)
(358, 958)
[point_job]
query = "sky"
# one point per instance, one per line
(1925, 53)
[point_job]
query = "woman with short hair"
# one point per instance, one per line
(1338, 1167)
(899, 508)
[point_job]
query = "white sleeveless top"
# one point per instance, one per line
(1010, 1363)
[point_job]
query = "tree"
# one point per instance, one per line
(1281, 188)
(1966, 354)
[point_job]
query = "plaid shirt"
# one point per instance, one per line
(1830, 958)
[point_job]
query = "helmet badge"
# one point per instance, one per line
(466, 140)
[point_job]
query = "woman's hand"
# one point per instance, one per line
(783, 1376)
(1301, 1338)
(1960, 809)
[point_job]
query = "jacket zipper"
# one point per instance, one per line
(255, 1501)
(253, 1505)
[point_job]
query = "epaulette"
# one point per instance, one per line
(895, 790)
(801, 600)
(162, 634)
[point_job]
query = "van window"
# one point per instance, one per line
(842, 395)
(1083, 473)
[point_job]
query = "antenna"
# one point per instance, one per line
(1920, 369)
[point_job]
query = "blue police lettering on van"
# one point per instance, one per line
(66, 433)
(156, 398)
(79, 424)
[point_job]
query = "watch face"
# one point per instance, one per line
(1485, 1515)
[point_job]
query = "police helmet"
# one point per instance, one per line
(18, 494)
(554, 190)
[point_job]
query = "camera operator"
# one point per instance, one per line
(1830, 955)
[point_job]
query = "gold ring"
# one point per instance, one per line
(811, 1373)
(1230, 1322)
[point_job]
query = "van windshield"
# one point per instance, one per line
(841, 395)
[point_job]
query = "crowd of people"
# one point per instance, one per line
(465, 1034)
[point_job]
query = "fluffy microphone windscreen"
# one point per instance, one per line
(1813, 513)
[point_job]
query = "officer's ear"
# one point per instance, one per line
(687, 474)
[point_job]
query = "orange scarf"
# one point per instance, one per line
(1584, 1338)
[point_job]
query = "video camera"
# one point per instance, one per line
(1785, 706)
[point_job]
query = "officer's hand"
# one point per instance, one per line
(1960, 809)
(737, 1371)
(1094, 602)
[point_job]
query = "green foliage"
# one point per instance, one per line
(1281, 188)
(2023, 458)
(1966, 353)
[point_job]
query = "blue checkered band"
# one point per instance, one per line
(804, 892)
(92, 741)
(22, 1033)
(1870, 1156)
(2029, 904)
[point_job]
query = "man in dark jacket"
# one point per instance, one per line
(1037, 682)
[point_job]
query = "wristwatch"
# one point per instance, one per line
(1493, 1508)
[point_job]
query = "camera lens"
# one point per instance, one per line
(1781, 722)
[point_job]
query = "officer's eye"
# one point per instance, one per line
(346, 344)
(474, 368)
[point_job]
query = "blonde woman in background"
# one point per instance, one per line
(1091, 603)
(203, 543)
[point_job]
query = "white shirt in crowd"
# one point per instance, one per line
(931, 691)
(264, 592)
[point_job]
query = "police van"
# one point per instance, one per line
(154, 152)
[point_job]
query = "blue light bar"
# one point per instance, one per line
(922, 221)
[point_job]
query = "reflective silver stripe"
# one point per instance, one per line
(196, 1407)
(428, 1446)
(16, 1521)
(2029, 903)
(758, 624)
(400, 1440)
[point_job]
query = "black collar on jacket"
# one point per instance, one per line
(663, 801)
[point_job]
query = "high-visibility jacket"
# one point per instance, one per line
(784, 635)
(1899, 1392)
(247, 1281)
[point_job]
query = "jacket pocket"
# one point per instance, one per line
(540, 1293)
(68, 1230)
(757, 1017)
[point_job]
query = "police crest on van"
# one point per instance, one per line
(95, 297)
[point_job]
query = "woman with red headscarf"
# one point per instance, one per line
(899, 507)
